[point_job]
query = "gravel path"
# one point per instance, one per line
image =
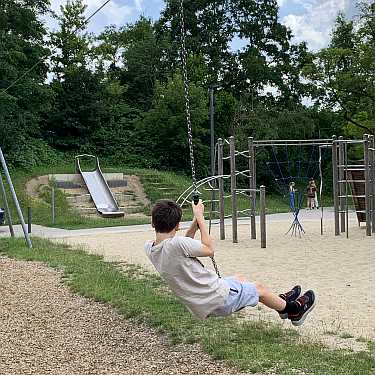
(45, 329)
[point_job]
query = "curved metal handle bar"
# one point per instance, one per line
(206, 180)
(198, 185)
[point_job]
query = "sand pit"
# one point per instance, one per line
(340, 270)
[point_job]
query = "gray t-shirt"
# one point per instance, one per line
(200, 289)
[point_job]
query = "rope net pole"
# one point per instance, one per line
(335, 185)
(233, 186)
(252, 184)
(221, 188)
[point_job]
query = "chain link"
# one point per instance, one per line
(187, 93)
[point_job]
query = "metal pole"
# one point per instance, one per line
(221, 187)
(53, 204)
(372, 154)
(321, 191)
(7, 211)
(367, 183)
(263, 230)
(212, 130)
(346, 189)
(341, 186)
(15, 199)
(335, 185)
(29, 216)
(252, 185)
(233, 187)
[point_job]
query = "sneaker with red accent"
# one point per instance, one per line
(290, 296)
(306, 304)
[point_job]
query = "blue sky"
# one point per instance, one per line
(310, 20)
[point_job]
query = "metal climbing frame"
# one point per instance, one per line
(343, 183)
(15, 201)
(216, 184)
(250, 192)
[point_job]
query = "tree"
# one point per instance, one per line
(209, 32)
(143, 62)
(24, 98)
(77, 108)
(163, 131)
(343, 73)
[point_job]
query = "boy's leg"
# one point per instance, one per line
(266, 297)
(271, 300)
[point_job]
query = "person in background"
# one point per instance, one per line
(316, 202)
(292, 196)
(311, 191)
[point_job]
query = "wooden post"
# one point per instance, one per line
(252, 185)
(335, 187)
(220, 167)
(341, 187)
(233, 188)
(7, 211)
(367, 183)
(263, 230)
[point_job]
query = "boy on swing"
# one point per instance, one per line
(201, 290)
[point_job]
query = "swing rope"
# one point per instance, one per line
(188, 114)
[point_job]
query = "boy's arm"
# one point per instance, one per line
(192, 230)
(207, 243)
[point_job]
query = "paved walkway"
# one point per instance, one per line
(47, 232)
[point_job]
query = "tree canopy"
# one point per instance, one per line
(119, 94)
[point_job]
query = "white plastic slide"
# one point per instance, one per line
(99, 190)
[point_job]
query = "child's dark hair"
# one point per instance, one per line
(166, 214)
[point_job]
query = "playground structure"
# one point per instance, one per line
(215, 184)
(350, 181)
(356, 181)
(15, 201)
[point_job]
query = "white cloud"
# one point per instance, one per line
(138, 4)
(113, 13)
(314, 25)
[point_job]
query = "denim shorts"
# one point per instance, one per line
(240, 296)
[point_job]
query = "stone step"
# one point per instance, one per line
(127, 209)
(86, 198)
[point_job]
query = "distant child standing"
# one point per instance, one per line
(292, 196)
(311, 191)
(316, 202)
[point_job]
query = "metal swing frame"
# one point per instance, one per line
(8, 178)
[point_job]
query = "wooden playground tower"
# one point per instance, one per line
(356, 181)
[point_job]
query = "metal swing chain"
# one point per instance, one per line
(187, 94)
(187, 111)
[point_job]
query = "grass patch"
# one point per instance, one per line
(346, 335)
(251, 346)
(157, 185)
